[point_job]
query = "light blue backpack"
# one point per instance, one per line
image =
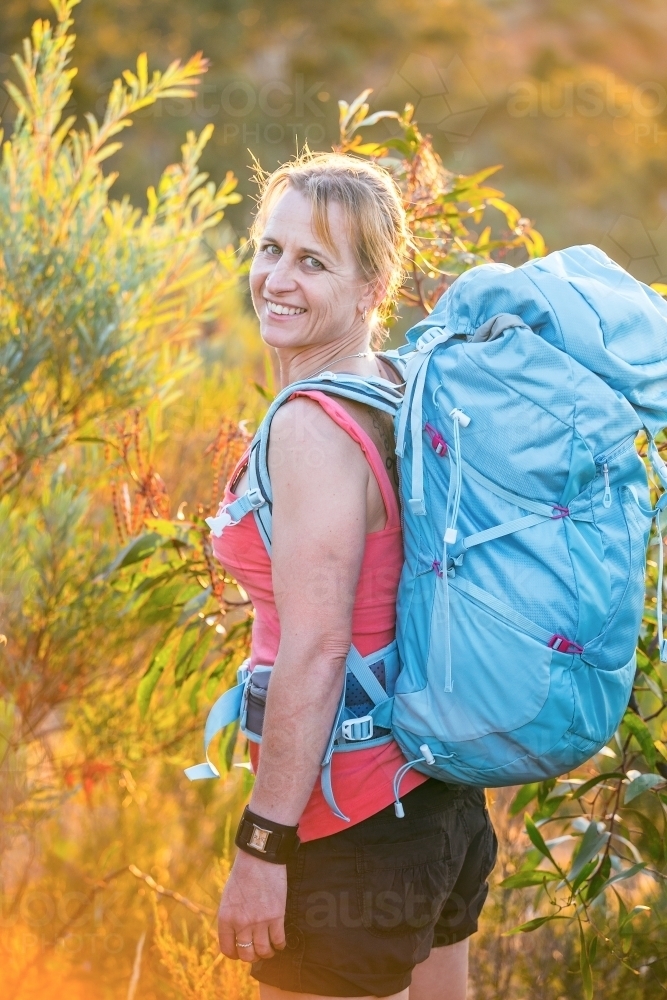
(526, 516)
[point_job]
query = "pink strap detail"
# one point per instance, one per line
(238, 469)
(564, 645)
(340, 416)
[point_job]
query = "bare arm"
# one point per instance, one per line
(320, 482)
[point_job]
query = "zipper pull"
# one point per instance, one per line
(606, 500)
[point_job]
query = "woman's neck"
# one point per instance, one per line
(353, 356)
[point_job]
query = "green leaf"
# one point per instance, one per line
(149, 681)
(585, 965)
(538, 840)
(532, 925)
(227, 745)
(137, 550)
(642, 734)
(192, 664)
(264, 393)
(375, 118)
(653, 839)
(599, 879)
(592, 949)
(584, 873)
(619, 877)
(194, 605)
(163, 601)
(642, 784)
(592, 782)
(528, 877)
(635, 911)
(186, 645)
(525, 795)
(548, 807)
(592, 843)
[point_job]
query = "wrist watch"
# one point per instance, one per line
(265, 839)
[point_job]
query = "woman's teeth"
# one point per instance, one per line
(274, 307)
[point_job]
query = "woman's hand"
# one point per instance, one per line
(252, 908)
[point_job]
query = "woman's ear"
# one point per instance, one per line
(372, 296)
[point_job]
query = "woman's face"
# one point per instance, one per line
(304, 294)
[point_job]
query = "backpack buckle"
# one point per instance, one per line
(357, 730)
(564, 645)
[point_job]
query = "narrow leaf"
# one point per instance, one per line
(585, 965)
(591, 843)
(642, 784)
(194, 605)
(619, 877)
(150, 679)
(537, 839)
(523, 879)
(642, 734)
(592, 782)
(523, 797)
(532, 925)
(137, 550)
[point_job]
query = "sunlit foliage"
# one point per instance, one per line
(131, 378)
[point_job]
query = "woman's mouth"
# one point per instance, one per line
(276, 309)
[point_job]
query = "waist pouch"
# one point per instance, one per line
(363, 717)
(358, 720)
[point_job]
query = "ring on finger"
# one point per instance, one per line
(244, 944)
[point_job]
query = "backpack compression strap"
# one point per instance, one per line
(376, 392)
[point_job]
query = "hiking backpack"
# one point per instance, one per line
(526, 517)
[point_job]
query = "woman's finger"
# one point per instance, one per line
(245, 944)
(260, 936)
(277, 933)
(227, 939)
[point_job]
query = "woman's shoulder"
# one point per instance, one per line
(304, 423)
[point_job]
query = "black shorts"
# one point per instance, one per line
(366, 905)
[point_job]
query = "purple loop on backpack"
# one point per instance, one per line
(437, 440)
(562, 512)
(564, 645)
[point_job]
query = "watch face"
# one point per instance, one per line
(258, 839)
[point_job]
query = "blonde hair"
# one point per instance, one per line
(372, 208)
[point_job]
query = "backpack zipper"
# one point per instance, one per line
(606, 500)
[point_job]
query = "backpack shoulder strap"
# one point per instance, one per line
(376, 392)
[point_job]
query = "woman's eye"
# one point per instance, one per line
(313, 262)
(271, 248)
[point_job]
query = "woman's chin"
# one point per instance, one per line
(279, 335)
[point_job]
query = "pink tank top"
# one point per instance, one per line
(362, 780)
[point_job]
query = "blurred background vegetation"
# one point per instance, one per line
(570, 97)
(131, 376)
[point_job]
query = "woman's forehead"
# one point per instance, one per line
(291, 219)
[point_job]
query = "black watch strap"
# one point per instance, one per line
(262, 838)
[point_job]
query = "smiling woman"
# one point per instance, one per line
(344, 195)
(366, 896)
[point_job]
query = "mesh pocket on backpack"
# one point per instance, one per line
(625, 534)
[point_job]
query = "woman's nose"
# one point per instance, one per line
(281, 277)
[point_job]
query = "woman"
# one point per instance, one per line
(360, 903)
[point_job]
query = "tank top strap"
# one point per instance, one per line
(344, 420)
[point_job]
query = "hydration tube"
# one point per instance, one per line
(428, 757)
